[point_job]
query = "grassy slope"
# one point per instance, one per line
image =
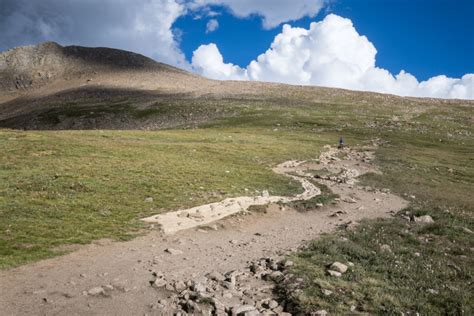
(73, 187)
(67, 187)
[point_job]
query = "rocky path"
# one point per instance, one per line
(197, 270)
(173, 222)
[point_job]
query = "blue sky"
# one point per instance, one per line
(424, 37)
(420, 48)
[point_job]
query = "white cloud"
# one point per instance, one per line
(212, 25)
(143, 26)
(208, 61)
(330, 53)
(273, 12)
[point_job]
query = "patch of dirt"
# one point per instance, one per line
(115, 278)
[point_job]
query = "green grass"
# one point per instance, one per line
(61, 188)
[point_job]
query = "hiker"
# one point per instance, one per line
(341, 143)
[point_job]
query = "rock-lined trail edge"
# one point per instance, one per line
(173, 222)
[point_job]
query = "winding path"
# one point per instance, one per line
(59, 286)
(173, 222)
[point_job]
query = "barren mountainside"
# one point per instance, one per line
(35, 66)
(48, 86)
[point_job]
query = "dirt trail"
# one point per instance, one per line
(123, 270)
(173, 222)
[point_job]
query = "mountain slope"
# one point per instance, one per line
(30, 67)
(48, 86)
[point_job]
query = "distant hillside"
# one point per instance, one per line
(48, 86)
(35, 66)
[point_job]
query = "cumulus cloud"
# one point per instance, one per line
(273, 12)
(330, 53)
(208, 61)
(212, 25)
(143, 26)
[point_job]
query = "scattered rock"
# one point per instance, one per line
(348, 199)
(180, 286)
(96, 291)
(149, 199)
(326, 292)
(273, 304)
(158, 283)
(425, 219)
(320, 312)
(339, 267)
(288, 263)
(432, 291)
(467, 230)
(199, 285)
(334, 273)
(385, 248)
(240, 309)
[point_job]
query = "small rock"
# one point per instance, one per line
(339, 267)
(334, 273)
(467, 230)
(158, 283)
(198, 286)
(173, 251)
(273, 304)
(326, 292)
(236, 310)
(425, 219)
(385, 248)
(149, 199)
(320, 312)
(95, 291)
(348, 199)
(288, 263)
(432, 291)
(179, 286)
(278, 310)
(109, 287)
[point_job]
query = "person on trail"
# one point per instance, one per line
(341, 143)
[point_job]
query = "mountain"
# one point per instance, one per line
(48, 86)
